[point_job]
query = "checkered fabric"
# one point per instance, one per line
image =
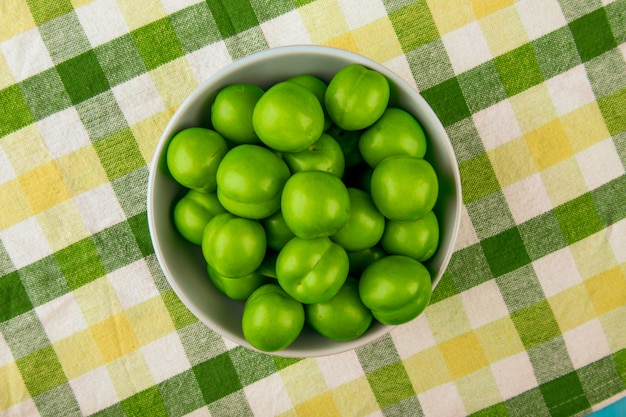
(528, 320)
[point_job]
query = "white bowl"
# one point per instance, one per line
(182, 262)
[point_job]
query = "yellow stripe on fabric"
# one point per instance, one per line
(148, 131)
(377, 40)
(572, 308)
(321, 405)
(607, 290)
(499, 339)
(478, 390)
(533, 108)
(427, 369)
(613, 326)
(511, 170)
(15, 18)
(463, 355)
(130, 374)
(150, 320)
(300, 390)
(114, 337)
(323, 20)
(585, 126)
(563, 181)
(355, 398)
(81, 170)
(450, 15)
(12, 386)
(483, 8)
(138, 14)
(62, 225)
(15, 206)
(549, 144)
(44, 187)
(78, 354)
(503, 30)
(174, 81)
(6, 77)
(594, 255)
(26, 149)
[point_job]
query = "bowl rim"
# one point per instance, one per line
(198, 92)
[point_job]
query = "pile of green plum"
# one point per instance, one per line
(312, 203)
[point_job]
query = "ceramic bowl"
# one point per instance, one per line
(182, 262)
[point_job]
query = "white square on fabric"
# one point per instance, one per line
(166, 357)
(25, 242)
(497, 125)
(617, 239)
(586, 343)
(400, 66)
(540, 17)
(94, 391)
(341, 368)
(443, 400)
(484, 304)
(268, 396)
(138, 99)
(200, 412)
(133, 284)
(527, 198)
(570, 90)
(208, 60)
(172, 6)
(61, 317)
(102, 21)
(557, 272)
(276, 35)
(514, 375)
(5, 352)
(25, 408)
(63, 132)
(6, 170)
(467, 234)
(600, 163)
(361, 12)
(467, 47)
(413, 337)
(26, 54)
(99, 208)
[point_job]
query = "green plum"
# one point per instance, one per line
(231, 112)
(193, 212)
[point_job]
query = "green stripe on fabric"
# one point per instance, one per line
(217, 378)
(550, 360)
(542, 235)
(278, 8)
(592, 34)
(83, 77)
(115, 410)
(496, 410)
(378, 354)
(146, 402)
(520, 288)
(430, 64)
(181, 316)
(414, 25)
(20, 116)
(195, 27)
(130, 189)
(64, 37)
(80, 263)
(16, 300)
(44, 10)
(390, 384)
(612, 108)
(45, 94)
(117, 246)
(43, 281)
(482, 86)
(59, 401)
(101, 116)
(601, 380)
(469, 268)
(578, 218)
(251, 366)
(41, 371)
(564, 396)
(556, 52)
(120, 59)
(607, 73)
(181, 394)
(490, 215)
(529, 403)
(232, 17)
(139, 226)
(157, 43)
(526, 322)
(509, 67)
(246, 43)
(111, 147)
(505, 252)
(14, 329)
(282, 363)
(447, 101)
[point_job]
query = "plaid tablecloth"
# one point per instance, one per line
(529, 319)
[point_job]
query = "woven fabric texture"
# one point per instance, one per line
(528, 320)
